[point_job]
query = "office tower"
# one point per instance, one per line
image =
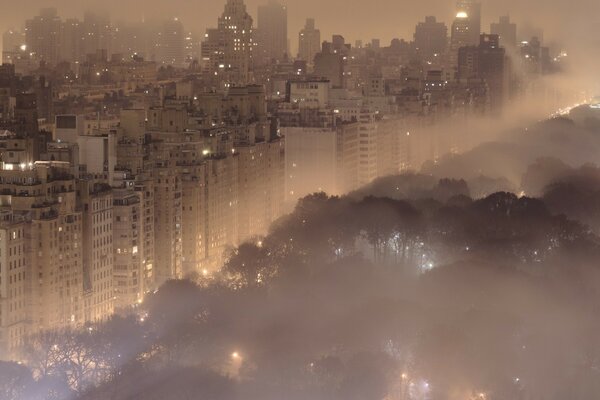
(192, 48)
(471, 10)
(42, 35)
(228, 50)
(272, 32)
(431, 37)
(488, 62)
(507, 31)
(309, 42)
(171, 43)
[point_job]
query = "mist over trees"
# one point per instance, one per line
(451, 283)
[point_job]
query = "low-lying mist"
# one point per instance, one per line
(432, 285)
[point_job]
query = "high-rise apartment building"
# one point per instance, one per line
(128, 227)
(45, 193)
(15, 264)
(96, 202)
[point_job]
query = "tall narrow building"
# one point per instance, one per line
(97, 33)
(472, 9)
(42, 35)
(431, 37)
(506, 31)
(96, 202)
(488, 62)
(272, 32)
(228, 50)
(309, 41)
(171, 43)
(14, 268)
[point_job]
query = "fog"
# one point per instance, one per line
(562, 21)
(473, 276)
(431, 285)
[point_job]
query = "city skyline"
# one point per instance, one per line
(397, 22)
(273, 203)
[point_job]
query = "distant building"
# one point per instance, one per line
(309, 42)
(488, 62)
(471, 10)
(431, 37)
(42, 36)
(98, 33)
(13, 41)
(272, 32)
(309, 93)
(329, 63)
(171, 43)
(228, 50)
(506, 31)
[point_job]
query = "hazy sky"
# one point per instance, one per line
(355, 19)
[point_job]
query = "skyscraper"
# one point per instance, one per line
(272, 31)
(470, 10)
(507, 32)
(171, 49)
(97, 33)
(309, 41)
(486, 61)
(71, 41)
(431, 37)
(42, 35)
(228, 50)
